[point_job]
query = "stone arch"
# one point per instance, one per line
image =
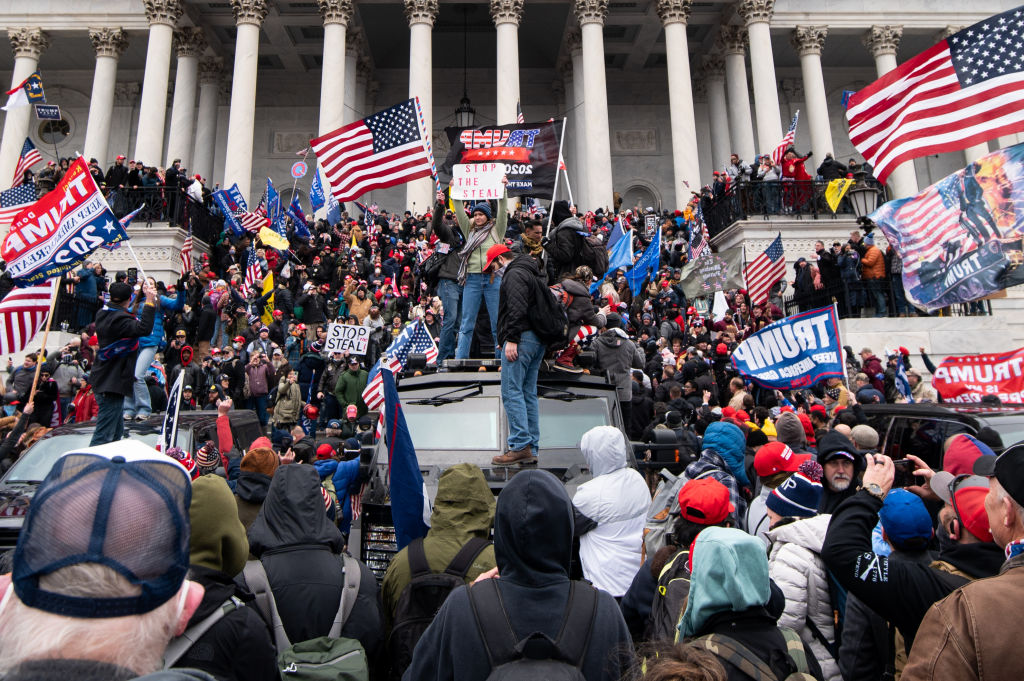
(643, 190)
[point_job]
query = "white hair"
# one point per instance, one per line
(135, 642)
(1002, 494)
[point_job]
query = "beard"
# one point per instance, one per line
(839, 483)
(277, 363)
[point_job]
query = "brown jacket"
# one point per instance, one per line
(356, 306)
(872, 265)
(972, 633)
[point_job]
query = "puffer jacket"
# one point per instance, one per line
(449, 238)
(565, 247)
(165, 306)
(610, 512)
(796, 566)
(872, 265)
(516, 298)
(617, 355)
(289, 402)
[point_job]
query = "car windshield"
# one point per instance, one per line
(563, 423)
(1010, 428)
(39, 459)
(468, 424)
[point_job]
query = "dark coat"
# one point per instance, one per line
(117, 374)
(447, 232)
(516, 298)
(565, 247)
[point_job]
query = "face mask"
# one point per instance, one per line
(8, 410)
(376, 270)
(236, 346)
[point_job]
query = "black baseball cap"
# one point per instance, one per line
(1007, 468)
(120, 292)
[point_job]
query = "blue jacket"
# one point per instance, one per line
(86, 288)
(166, 305)
(344, 475)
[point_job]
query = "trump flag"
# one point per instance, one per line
(795, 352)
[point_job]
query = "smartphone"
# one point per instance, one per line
(905, 474)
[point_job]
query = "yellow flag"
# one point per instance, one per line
(354, 244)
(267, 316)
(271, 238)
(835, 192)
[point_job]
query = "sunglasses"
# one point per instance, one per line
(954, 483)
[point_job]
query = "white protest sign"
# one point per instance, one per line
(477, 181)
(351, 337)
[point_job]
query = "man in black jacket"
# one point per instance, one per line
(113, 374)
(450, 240)
(522, 352)
(564, 245)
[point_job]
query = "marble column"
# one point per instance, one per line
(578, 174)
(336, 15)
(882, 42)
(673, 15)
(808, 41)
(162, 16)
(506, 15)
(732, 41)
(249, 16)
(363, 69)
(757, 14)
(718, 113)
(351, 59)
(189, 43)
(419, 194)
(591, 14)
(210, 74)
(109, 44)
(28, 44)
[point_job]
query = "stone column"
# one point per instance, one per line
(109, 44)
(28, 44)
(808, 42)
(189, 43)
(732, 41)
(882, 42)
(362, 83)
(673, 15)
(162, 15)
(351, 59)
(506, 15)
(578, 175)
(758, 14)
(718, 113)
(421, 15)
(249, 15)
(210, 73)
(336, 15)
(591, 14)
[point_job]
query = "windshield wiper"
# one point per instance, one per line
(563, 395)
(445, 398)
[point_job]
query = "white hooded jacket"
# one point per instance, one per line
(616, 500)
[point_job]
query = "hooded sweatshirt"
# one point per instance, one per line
(533, 527)
(616, 502)
(723, 454)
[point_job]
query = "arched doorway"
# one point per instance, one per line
(642, 194)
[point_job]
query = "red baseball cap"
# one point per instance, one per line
(705, 501)
(776, 457)
(966, 494)
(324, 451)
(239, 339)
(493, 252)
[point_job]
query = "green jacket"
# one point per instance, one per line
(479, 257)
(463, 509)
(349, 390)
(289, 402)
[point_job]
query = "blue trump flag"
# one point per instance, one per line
(316, 193)
(298, 218)
(618, 231)
(620, 256)
(333, 210)
(795, 352)
(646, 266)
(408, 493)
(902, 382)
(231, 203)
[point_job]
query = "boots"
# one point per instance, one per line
(516, 456)
(564, 361)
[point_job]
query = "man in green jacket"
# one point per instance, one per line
(351, 383)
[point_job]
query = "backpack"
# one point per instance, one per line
(663, 510)
(536, 656)
(594, 254)
(180, 645)
(327, 658)
(669, 598)
(738, 655)
(548, 318)
(837, 603)
(423, 596)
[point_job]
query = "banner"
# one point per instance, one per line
(968, 378)
(231, 203)
(529, 152)
(795, 352)
(960, 239)
(271, 238)
(350, 337)
(835, 191)
(646, 265)
(477, 181)
(712, 272)
(58, 232)
(267, 313)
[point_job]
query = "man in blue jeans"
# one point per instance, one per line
(521, 352)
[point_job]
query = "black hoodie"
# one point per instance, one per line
(533, 527)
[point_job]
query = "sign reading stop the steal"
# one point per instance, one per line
(350, 337)
(477, 181)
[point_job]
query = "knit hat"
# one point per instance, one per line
(185, 459)
(799, 495)
(560, 212)
(261, 458)
(673, 419)
(790, 430)
(705, 501)
(207, 458)
(776, 457)
(119, 292)
(905, 520)
(218, 537)
(612, 320)
(483, 207)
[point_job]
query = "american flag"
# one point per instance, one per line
(29, 157)
(960, 92)
(23, 312)
(186, 253)
(252, 272)
(787, 141)
(927, 224)
(383, 150)
(414, 338)
(252, 221)
(698, 234)
(765, 270)
(519, 114)
(585, 332)
(15, 200)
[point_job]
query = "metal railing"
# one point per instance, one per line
(166, 204)
(861, 299)
(74, 312)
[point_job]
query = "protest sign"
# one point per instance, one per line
(477, 181)
(650, 224)
(350, 337)
(527, 151)
(795, 352)
(968, 378)
(711, 272)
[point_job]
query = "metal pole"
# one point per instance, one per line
(554, 190)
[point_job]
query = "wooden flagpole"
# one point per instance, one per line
(46, 335)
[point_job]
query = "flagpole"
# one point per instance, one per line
(131, 250)
(46, 335)
(554, 189)
(295, 182)
(568, 186)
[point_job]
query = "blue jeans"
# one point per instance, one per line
(899, 299)
(450, 293)
(109, 422)
(259, 405)
(876, 288)
(519, 393)
(478, 287)
(139, 402)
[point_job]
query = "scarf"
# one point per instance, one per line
(476, 238)
(1014, 548)
(534, 246)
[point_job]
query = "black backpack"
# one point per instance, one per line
(423, 596)
(536, 656)
(670, 598)
(548, 318)
(595, 255)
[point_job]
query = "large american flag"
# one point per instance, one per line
(698, 234)
(965, 90)
(766, 269)
(15, 200)
(414, 338)
(383, 150)
(253, 271)
(29, 157)
(252, 221)
(186, 253)
(787, 140)
(928, 223)
(23, 314)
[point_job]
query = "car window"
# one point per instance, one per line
(562, 423)
(471, 423)
(35, 463)
(1010, 428)
(923, 437)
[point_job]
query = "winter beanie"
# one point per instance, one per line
(483, 207)
(728, 440)
(218, 538)
(790, 430)
(799, 495)
(559, 212)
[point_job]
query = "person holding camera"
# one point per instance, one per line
(68, 374)
(259, 375)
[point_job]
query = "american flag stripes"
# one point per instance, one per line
(765, 270)
(29, 157)
(585, 332)
(186, 253)
(253, 271)
(520, 119)
(414, 338)
(787, 140)
(963, 91)
(927, 224)
(252, 222)
(15, 200)
(23, 314)
(382, 150)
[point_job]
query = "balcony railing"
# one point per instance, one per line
(166, 204)
(861, 299)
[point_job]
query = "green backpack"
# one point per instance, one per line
(326, 658)
(732, 651)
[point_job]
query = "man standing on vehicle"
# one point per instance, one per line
(113, 374)
(522, 352)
